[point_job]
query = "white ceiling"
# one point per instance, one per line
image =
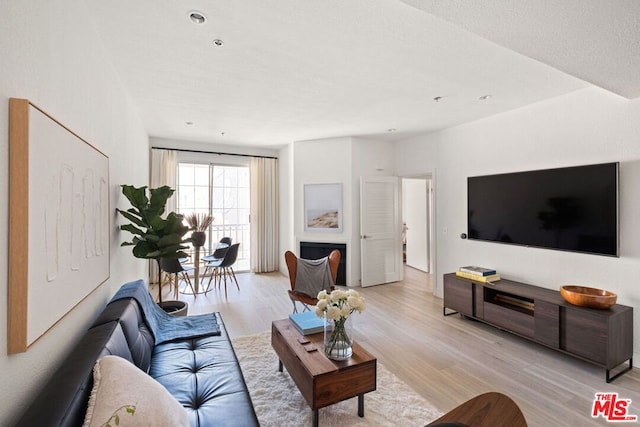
(294, 70)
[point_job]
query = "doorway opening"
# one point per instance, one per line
(417, 218)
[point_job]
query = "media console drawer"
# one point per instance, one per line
(547, 324)
(509, 319)
(458, 296)
(602, 337)
(584, 334)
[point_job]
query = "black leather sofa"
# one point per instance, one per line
(203, 374)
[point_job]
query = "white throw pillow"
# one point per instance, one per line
(124, 392)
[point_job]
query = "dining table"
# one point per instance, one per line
(196, 266)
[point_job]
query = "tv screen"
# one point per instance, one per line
(571, 209)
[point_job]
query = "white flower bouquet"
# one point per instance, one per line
(336, 307)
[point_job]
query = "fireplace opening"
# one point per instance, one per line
(315, 250)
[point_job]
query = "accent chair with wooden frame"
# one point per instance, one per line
(292, 264)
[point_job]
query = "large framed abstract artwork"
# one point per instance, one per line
(323, 208)
(58, 222)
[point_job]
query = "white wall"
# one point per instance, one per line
(286, 207)
(336, 160)
(587, 126)
(53, 57)
(325, 161)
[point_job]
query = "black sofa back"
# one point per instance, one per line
(136, 332)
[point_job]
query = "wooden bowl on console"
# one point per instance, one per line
(588, 297)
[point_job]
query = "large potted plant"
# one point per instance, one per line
(154, 237)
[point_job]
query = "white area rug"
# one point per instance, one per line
(278, 402)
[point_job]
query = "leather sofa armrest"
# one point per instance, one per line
(64, 398)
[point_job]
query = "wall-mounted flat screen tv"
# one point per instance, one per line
(571, 208)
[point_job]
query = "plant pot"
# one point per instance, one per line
(198, 238)
(175, 308)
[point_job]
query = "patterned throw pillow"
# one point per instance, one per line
(123, 395)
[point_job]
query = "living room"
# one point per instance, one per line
(55, 57)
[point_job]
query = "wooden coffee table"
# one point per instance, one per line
(322, 381)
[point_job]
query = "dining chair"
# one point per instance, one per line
(213, 262)
(219, 250)
(176, 271)
(224, 268)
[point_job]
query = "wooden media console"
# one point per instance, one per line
(601, 337)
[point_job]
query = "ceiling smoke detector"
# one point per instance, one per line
(197, 17)
(218, 43)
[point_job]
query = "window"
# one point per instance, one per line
(193, 188)
(223, 192)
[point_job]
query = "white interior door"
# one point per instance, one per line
(380, 230)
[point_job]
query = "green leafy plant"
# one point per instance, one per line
(154, 237)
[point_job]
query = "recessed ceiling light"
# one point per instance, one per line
(197, 17)
(218, 42)
(485, 97)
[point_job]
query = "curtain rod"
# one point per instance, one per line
(213, 152)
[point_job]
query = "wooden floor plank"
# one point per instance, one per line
(448, 360)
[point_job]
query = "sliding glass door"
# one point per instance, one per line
(223, 192)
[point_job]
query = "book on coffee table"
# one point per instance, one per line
(307, 322)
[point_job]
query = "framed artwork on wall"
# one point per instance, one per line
(323, 208)
(58, 222)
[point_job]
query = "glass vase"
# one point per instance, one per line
(338, 341)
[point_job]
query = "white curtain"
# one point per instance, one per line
(264, 215)
(163, 172)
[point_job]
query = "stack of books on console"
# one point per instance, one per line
(307, 322)
(480, 274)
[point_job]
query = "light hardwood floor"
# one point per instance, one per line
(448, 360)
